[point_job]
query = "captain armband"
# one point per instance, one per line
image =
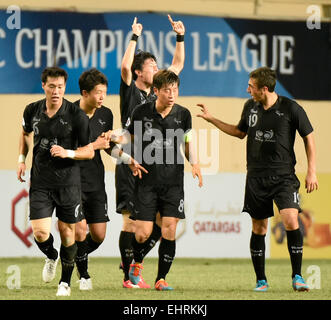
(188, 137)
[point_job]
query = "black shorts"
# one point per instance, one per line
(149, 200)
(125, 186)
(260, 192)
(66, 201)
(94, 206)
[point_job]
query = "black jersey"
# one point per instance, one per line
(158, 141)
(271, 135)
(68, 128)
(130, 97)
(92, 171)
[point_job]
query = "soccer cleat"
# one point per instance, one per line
(49, 269)
(135, 276)
(129, 285)
(63, 290)
(299, 284)
(161, 285)
(261, 286)
(85, 284)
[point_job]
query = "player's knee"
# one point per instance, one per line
(291, 224)
(80, 232)
(98, 237)
(142, 236)
(169, 232)
(41, 235)
(67, 234)
(128, 225)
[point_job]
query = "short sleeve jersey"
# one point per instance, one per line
(271, 136)
(67, 128)
(92, 171)
(130, 97)
(158, 142)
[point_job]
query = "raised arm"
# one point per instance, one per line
(128, 57)
(229, 129)
(177, 64)
(311, 182)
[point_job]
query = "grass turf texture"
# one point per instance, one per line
(192, 279)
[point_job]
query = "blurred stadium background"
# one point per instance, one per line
(224, 41)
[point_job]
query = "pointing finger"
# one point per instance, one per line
(170, 19)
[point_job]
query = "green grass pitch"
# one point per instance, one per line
(192, 279)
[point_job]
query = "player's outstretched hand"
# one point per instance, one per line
(205, 113)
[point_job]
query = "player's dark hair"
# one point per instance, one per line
(164, 77)
(91, 78)
(139, 60)
(265, 77)
(53, 72)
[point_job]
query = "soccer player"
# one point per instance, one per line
(93, 86)
(160, 129)
(137, 72)
(270, 123)
(61, 136)
(93, 89)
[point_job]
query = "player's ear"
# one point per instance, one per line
(84, 93)
(137, 72)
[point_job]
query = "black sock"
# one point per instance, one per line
(67, 255)
(126, 250)
(167, 251)
(152, 240)
(47, 247)
(137, 249)
(91, 244)
(295, 248)
(82, 259)
(257, 247)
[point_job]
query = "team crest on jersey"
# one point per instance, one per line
(101, 122)
(63, 122)
(177, 121)
(264, 136)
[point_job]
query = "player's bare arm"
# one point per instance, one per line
(229, 129)
(24, 143)
(311, 182)
(117, 153)
(178, 60)
(82, 153)
(191, 157)
(128, 57)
